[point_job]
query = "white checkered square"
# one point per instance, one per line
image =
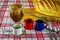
(11, 2)
(1, 31)
(23, 38)
(4, 21)
(10, 38)
(8, 21)
(7, 29)
(47, 38)
(0, 38)
(33, 32)
(28, 32)
(58, 38)
(6, 14)
(25, 3)
(5, 38)
(45, 31)
(29, 38)
(34, 38)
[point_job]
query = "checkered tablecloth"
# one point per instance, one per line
(6, 22)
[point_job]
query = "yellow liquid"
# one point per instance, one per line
(16, 16)
(16, 12)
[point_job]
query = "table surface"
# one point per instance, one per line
(6, 22)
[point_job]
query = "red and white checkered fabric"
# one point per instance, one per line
(6, 22)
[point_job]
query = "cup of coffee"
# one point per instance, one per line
(39, 25)
(16, 29)
(28, 24)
